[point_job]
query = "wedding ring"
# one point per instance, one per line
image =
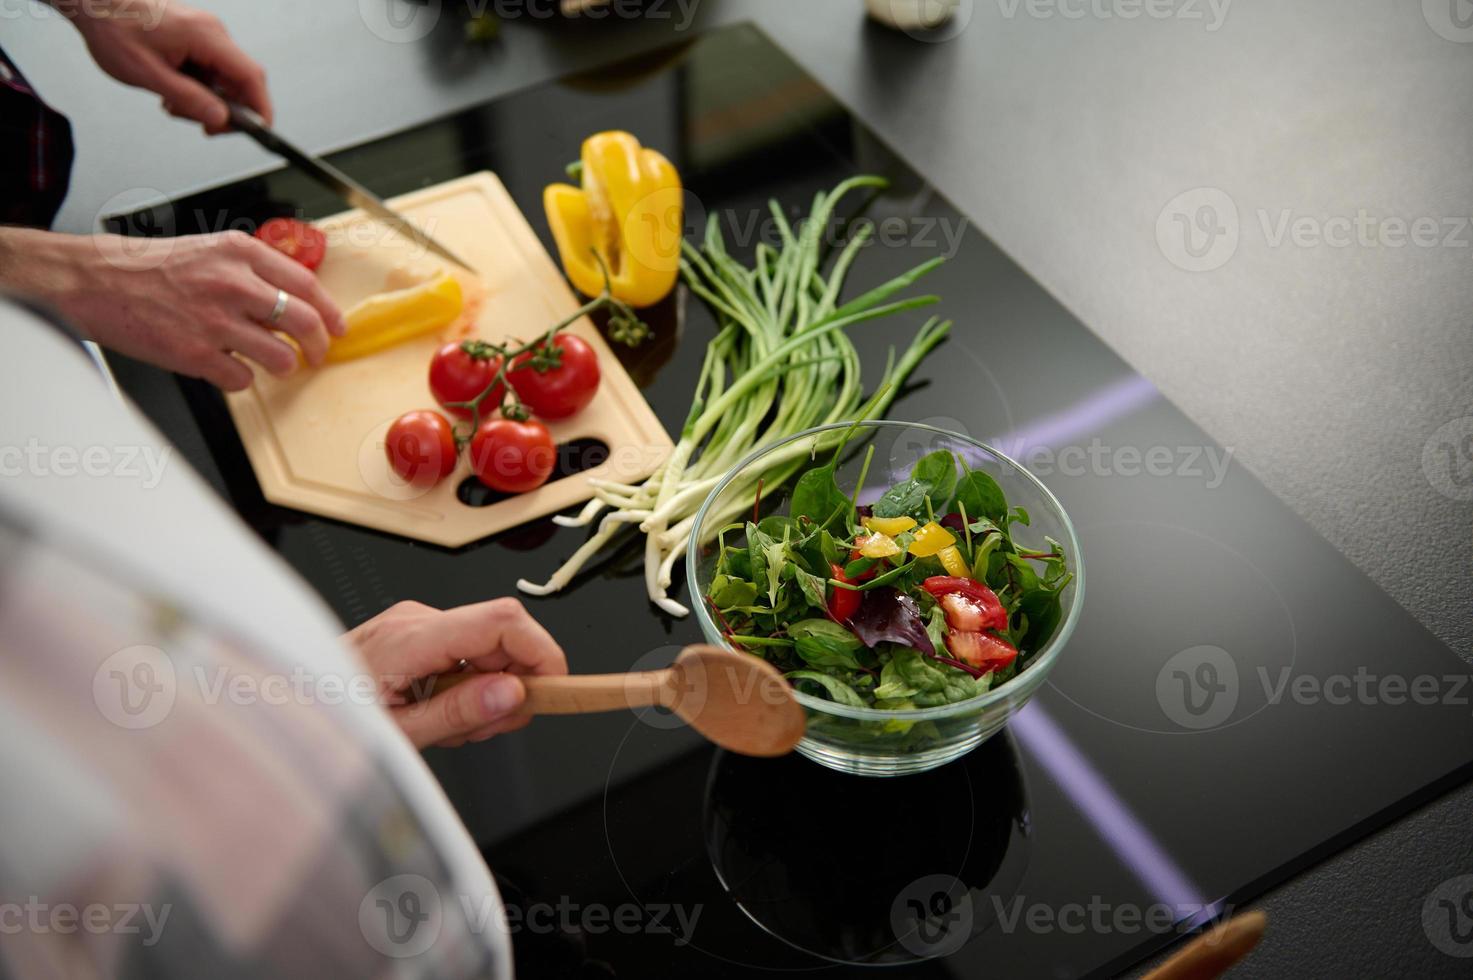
(278, 309)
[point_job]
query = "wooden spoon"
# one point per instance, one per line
(1212, 953)
(736, 700)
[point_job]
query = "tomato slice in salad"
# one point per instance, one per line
(969, 604)
(295, 239)
(985, 651)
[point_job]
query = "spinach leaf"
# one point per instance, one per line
(904, 499)
(757, 543)
(893, 686)
(812, 587)
(822, 643)
(727, 591)
(817, 496)
(981, 496)
(836, 689)
(938, 471)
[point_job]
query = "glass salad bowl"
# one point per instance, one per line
(852, 737)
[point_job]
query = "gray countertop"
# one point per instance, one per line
(1325, 333)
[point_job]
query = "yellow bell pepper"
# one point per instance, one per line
(628, 211)
(889, 525)
(953, 562)
(385, 319)
(930, 539)
(878, 546)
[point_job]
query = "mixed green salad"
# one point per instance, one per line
(922, 599)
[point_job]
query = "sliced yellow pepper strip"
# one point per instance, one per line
(878, 546)
(889, 525)
(629, 210)
(953, 562)
(930, 539)
(385, 319)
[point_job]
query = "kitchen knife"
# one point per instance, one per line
(247, 121)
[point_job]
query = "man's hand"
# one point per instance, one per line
(149, 43)
(411, 643)
(187, 304)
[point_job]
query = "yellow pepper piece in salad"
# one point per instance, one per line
(889, 525)
(952, 560)
(878, 545)
(930, 539)
(629, 212)
(385, 319)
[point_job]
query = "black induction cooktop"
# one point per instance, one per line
(1238, 700)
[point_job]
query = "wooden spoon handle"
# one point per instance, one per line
(1212, 953)
(579, 694)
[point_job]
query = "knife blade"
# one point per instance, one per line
(247, 121)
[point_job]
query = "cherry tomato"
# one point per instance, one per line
(843, 603)
(564, 390)
(295, 239)
(986, 651)
(461, 371)
(511, 456)
(421, 447)
(969, 604)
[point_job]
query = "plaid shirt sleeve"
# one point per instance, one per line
(35, 152)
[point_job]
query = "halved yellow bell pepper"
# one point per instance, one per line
(878, 545)
(930, 539)
(385, 319)
(889, 525)
(629, 210)
(953, 562)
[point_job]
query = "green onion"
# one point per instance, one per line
(780, 363)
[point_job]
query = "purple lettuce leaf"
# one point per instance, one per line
(888, 616)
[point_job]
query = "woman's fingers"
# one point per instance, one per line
(469, 708)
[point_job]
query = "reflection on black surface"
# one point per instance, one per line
(872, 871)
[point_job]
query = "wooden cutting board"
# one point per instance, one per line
(316, 439)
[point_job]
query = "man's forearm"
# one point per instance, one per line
(39, 264)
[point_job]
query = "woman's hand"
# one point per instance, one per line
(149, 43)
(409, 644)
(187, 304)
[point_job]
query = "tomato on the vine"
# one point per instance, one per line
(461, 371)
(295, 239)
(561, 391)
(421, 447)
(512, 456)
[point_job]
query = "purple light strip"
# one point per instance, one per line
(1089, 414)
(1112, 818)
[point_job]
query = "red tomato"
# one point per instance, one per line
(295, 239)
(512, 457)
(458, 374)
(843, 603)
(986, 651)
(421, 447)
(969, 605)
(565, 390)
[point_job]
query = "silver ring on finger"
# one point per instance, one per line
(279, 309)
